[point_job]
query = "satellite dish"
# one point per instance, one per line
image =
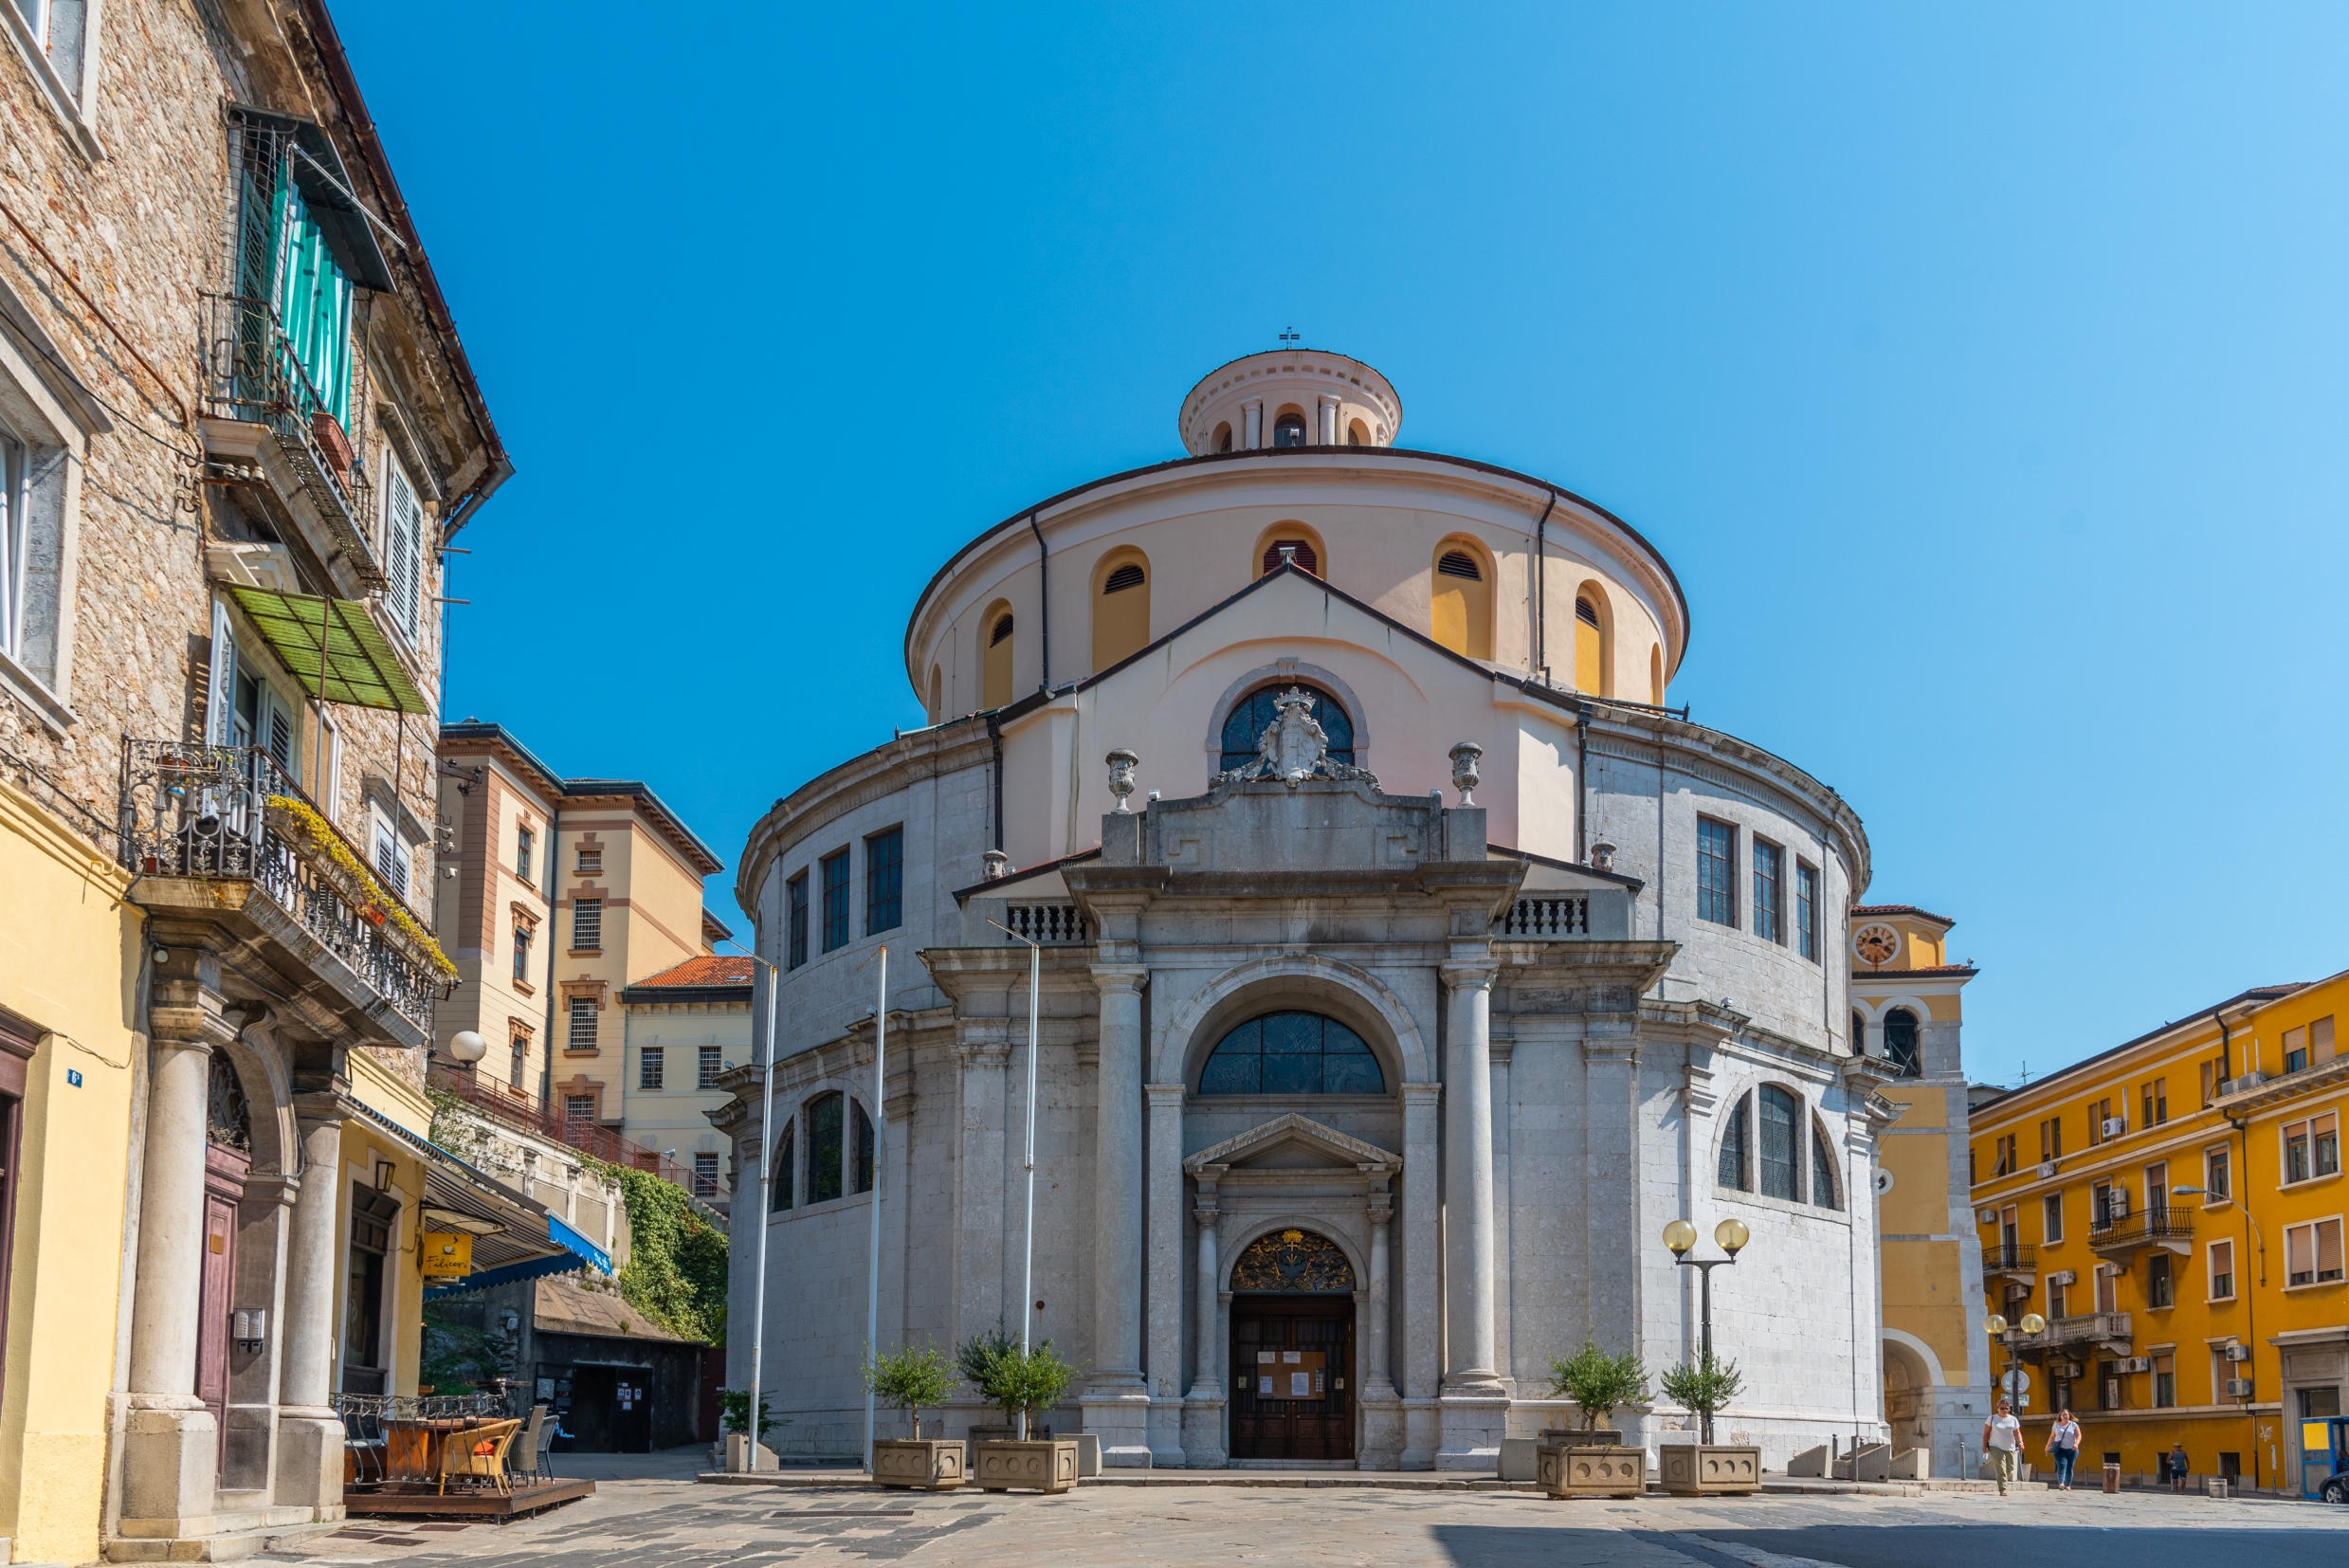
(467, 1046)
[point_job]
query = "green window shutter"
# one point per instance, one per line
(313, 302)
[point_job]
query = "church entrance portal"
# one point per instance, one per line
(1292, 1350)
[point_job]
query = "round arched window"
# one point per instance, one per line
(1292, 1054)
(1245, 726)
(1290, 431)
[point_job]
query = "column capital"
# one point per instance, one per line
(1165, 1094)
(1112, 977)
(1467, 974)
(1205, 1208)
(1426, 1094)
(983, 1053)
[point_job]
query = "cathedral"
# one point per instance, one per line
(1405, 964)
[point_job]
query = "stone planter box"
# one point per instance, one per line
(1590, 1469)
(1580, 1437)
(932, 1463)
(1690, 1469)
(1049, 1465)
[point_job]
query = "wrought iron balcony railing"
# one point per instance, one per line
(2011, 1257)
(252, 374)
(206, 812)
(2154, 1226)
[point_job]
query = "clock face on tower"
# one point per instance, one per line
(1876, 945)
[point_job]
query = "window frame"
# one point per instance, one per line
(1717, 873)
(403, 551)
(579, 907)
(2314, 1228)
(2051, 1208)
(885, 880)
(709, 1065)
(1736, 1143)
(651, 1069)
(525, 853)
(1806, 909)
(1768, 889)
(2217, 1174)
(522, 935)
(815, 1106)
(795, 920)
(2211, 1272)
(69, 87)
(576, 1010)
(836, 923)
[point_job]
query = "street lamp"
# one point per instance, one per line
(1680, 1237)
(2032, 1326)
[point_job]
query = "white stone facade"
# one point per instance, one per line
(1560, 1040)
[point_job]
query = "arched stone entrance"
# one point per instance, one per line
(1294, 1382)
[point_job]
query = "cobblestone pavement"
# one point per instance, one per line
(673, 1523)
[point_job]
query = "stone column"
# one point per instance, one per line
(171, 1442)
(1163, 1360)
(1116, 1400)
(309, 1432)
(1203, 1408)
(1422, 1357)
(1474, 1399)
(1382, 1412)
(1255, 417)
(1327, 422)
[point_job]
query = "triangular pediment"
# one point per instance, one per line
(1294, 1142)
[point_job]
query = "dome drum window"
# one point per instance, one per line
(1245, 725)
(1002, 631)
(1458, 563)
(1299, 550)
(1128, 576)
(1292, 1054)
(1290, 431)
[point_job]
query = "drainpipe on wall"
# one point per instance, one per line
(1582, 792)
(553, 932)
(1541, 591)
(995, 742)
(1044, 598)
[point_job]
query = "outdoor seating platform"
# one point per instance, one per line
(418, 1500)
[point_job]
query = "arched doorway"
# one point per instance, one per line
(1292, 1349)
(227, 1160)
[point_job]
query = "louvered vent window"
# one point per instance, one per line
(1458, 563)
(1305, 557)
(1128, 576)
(1003, 629)
(1586, 612)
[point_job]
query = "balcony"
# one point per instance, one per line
(523, 1113)
(1049, 924)
(2088, 1330)
(2123, 1236)
(2015, 1260)
(1545, 916)
(269, 428)
(220, 836)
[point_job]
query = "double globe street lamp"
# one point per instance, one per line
(1680, 1237)
(2032, 1326)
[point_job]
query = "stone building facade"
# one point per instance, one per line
(1403, 967)
(237, 427)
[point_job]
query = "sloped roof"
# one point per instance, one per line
(564, 1306)
(709, 969)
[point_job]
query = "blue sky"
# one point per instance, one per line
(1981, 374)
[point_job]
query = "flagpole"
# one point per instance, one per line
(766, 1180)
(881, 1124)
(1028, 1156)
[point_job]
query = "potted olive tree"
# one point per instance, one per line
(1704, 1467)
(908, 1378)
(1591, 1460)
(1022, 1384)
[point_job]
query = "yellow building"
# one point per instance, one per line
(2174, 1208)
(1906, 1009)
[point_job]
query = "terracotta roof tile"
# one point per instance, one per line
(709, 969)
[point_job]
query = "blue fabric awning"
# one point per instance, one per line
(563, 1235)
(577, 1252)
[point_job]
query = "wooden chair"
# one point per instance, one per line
(478, 1452)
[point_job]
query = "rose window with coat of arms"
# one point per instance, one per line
(1293, 1262)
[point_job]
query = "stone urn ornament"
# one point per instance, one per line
(1121, 765)
(1465, 758)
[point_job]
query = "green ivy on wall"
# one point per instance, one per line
(675, 1272)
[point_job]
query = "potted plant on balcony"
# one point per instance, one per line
(1692, 1469)
(1022, 1384)
(1591, 1460)
(908, 1378)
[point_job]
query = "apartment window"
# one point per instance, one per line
(525, 851)
(709, 1062)
(2158, 1191)
(884, 880)
(862, 1152)
(582, 1036)
(518, 1066)
(2164, 1380)
(2051, 1218)
(1717, 871)
(58, 27)
(391, 856)
(2312, 1252)
(2099, 1113)
(522, 952)
(2160, 1289)
(779, 1198)
(2320, 1039)
(2312, 1148)
(827, 1130)
(2007, 1158)
(579, 1107)
(2107, 1292)
(2222, 1270)
(795, 920)
(651, 1066)
(1779, 1110)
(2217, 1174)
(403, 539)
(2059, 1297)
(2207, 1072)
(2153, 1102)
(2295, 1048)
(591, 861)
(706, 1174)
(2052, 1139)
(1768, 915)
(2101, 1208)
(835, 870)
(1732, 1141)
(1807, 911)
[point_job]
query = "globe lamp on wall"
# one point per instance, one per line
(467, 1046)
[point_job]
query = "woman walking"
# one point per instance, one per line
(2002, 1439)
(2064, 1447)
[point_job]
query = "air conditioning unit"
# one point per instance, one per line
(2064, 1277)
(2238, 1388)
(2047, 1170)
(1986, 1217)
(2118, 1206)
(2074, 1370)
(2249, 1080)
(2114, 1126)
(2136, 1364)
(2238, 1353)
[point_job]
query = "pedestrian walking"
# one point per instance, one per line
(2002, 1439)
(2178, 1467)
(2064, 1447)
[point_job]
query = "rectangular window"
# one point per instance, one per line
(403, 539)
(795, 922)
(579, 1107)
(2312, 1252)
(2222, 1270)
(826, 1146)
(706, 1174)
(884, 880)
(391, 856)
(2052, 1217)
(2320, 1039)
(2059, 1297)
(1807, 911)
(526, 847)
(518, 1068)
(2324, 1144)
(2153, 1102)
(582, 1036)
(2006, 1156)
(521, 954)
(2217, 1174)
(1769, 862)
(2295, 1048)
(59, 27)
(591, 862)
(2052, 1139)
(2296, 1166)
(2158, 1191)
(711, 1062)
(835, 870)
(2099, 1113)
(2160, 1288)
(651, 1066)
(587, 925)
(1717, 871)
(2165, 1381)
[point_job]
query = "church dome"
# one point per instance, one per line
(1293, 398)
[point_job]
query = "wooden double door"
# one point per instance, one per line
(1292, 1368)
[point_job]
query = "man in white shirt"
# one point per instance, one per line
(2002, 1439)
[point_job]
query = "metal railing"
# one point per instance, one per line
(2009, 1255)
(1546, 916)
(202, 812)
(574, 1132)
(2174, 1222)
(252, 373)
(2080, 1328)
(1049, 924)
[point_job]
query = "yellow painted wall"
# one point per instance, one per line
(69, 953)
(376, 1085)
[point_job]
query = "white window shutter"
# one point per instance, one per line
(220, 703)
(404, 548)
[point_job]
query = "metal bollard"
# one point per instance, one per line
(2112, 1475)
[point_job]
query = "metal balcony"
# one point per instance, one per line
(2010, 1260)
(2124, 1237)
(2107, 1330)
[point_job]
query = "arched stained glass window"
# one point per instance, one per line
(780, 1198)
(1779, 1112)
(1245, 726)
(1732, 1141)
(1292, 1054)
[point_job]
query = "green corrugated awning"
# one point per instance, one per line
(332, 648)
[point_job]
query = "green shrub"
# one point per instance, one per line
(907, 1379)
(1597, 1382)
(1020, 1383)
(1704, 1385)
(735, 1410)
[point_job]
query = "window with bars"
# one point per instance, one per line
(1299, 550)
(884, 880)
(795, 922)
(1807, 911)
(709, 1064)
(1717, 871)
(587, 923)
(704, 1174)
(834, 868)
(591, 862)
(1733, 1147)
(1779, 1112)
(1769, 891)
(651, 1067)
(583, 1023)
(579, 1107)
